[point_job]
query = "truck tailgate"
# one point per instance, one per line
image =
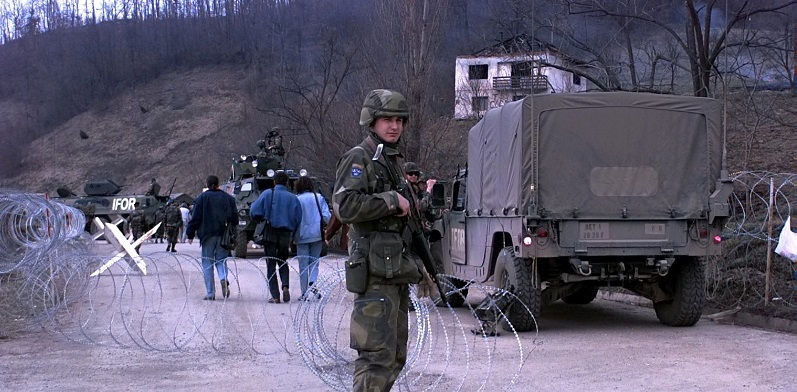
(623, 162)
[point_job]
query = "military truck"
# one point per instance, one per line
(567, 193)
(102, 200)
(251, 175)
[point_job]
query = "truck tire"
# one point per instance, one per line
(241, 243)
(526, 291)
(582, 296)
(685, 282)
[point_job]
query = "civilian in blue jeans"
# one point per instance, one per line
(309, 236)
(282, 209)
(214, 209)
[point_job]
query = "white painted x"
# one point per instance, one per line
(116, 238)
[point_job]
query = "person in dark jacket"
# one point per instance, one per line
(283, 210)
(214, 209)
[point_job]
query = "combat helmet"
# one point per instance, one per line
(411, 167)
(384, 103)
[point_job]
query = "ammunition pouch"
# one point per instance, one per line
(357, 272)
(388, 259)
(382, 256)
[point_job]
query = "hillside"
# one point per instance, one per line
(172, 129)
(186, 125)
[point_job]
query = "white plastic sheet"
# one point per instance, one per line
(787, 242)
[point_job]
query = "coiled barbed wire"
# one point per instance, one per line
(31, 226)
(42, 247)
(737, 278)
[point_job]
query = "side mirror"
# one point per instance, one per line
(438, 195)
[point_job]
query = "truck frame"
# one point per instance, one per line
(567, 193)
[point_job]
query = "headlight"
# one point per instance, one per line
(243, 212)
(243, 157)
(270, 173)
(254, 163)
(303, 172)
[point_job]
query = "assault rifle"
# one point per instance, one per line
(419, 244)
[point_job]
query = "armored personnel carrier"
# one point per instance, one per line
(102, 200)
(252, 174)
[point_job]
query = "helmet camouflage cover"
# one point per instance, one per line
(411, 167)
(383, 103)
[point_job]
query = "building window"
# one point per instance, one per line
(523, 68)
(479, 104)
(576, 80)
(478, 71)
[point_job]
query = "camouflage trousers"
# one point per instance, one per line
(137, 233)
(172, 232)
(379, 333)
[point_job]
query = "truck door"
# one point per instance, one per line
(456, 224)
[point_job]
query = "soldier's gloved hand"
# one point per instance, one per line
(426, 287)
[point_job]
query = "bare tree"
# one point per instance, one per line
(704, 35)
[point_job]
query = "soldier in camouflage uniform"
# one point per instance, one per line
(379, 268)
(173, 221)
(138, 223)
(160, 217)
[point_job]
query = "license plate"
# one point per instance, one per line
(594, 231)
(241, 223)
(654, 229)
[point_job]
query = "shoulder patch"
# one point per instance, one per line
(356, 170)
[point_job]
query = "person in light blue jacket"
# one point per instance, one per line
(309, 237)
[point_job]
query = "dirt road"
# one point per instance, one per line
(132, 332)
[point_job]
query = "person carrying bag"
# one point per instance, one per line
(309, 237)
(284, 217)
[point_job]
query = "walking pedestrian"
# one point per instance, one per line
(185, 213)
(282, 209)
(213, 211)
(138, 223)
(160, 217)
(173, 221)
(315, 214)
(380, 268)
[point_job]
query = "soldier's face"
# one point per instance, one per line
(389, 129)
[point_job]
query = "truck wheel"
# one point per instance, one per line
(241, 243)
(527, 291)
(582, 296)
(685, 283)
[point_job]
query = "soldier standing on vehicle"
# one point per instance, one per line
(380, 268)
(138, 223)
(173, 222)
(154, 188)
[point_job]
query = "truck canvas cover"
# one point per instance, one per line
(596, 156)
